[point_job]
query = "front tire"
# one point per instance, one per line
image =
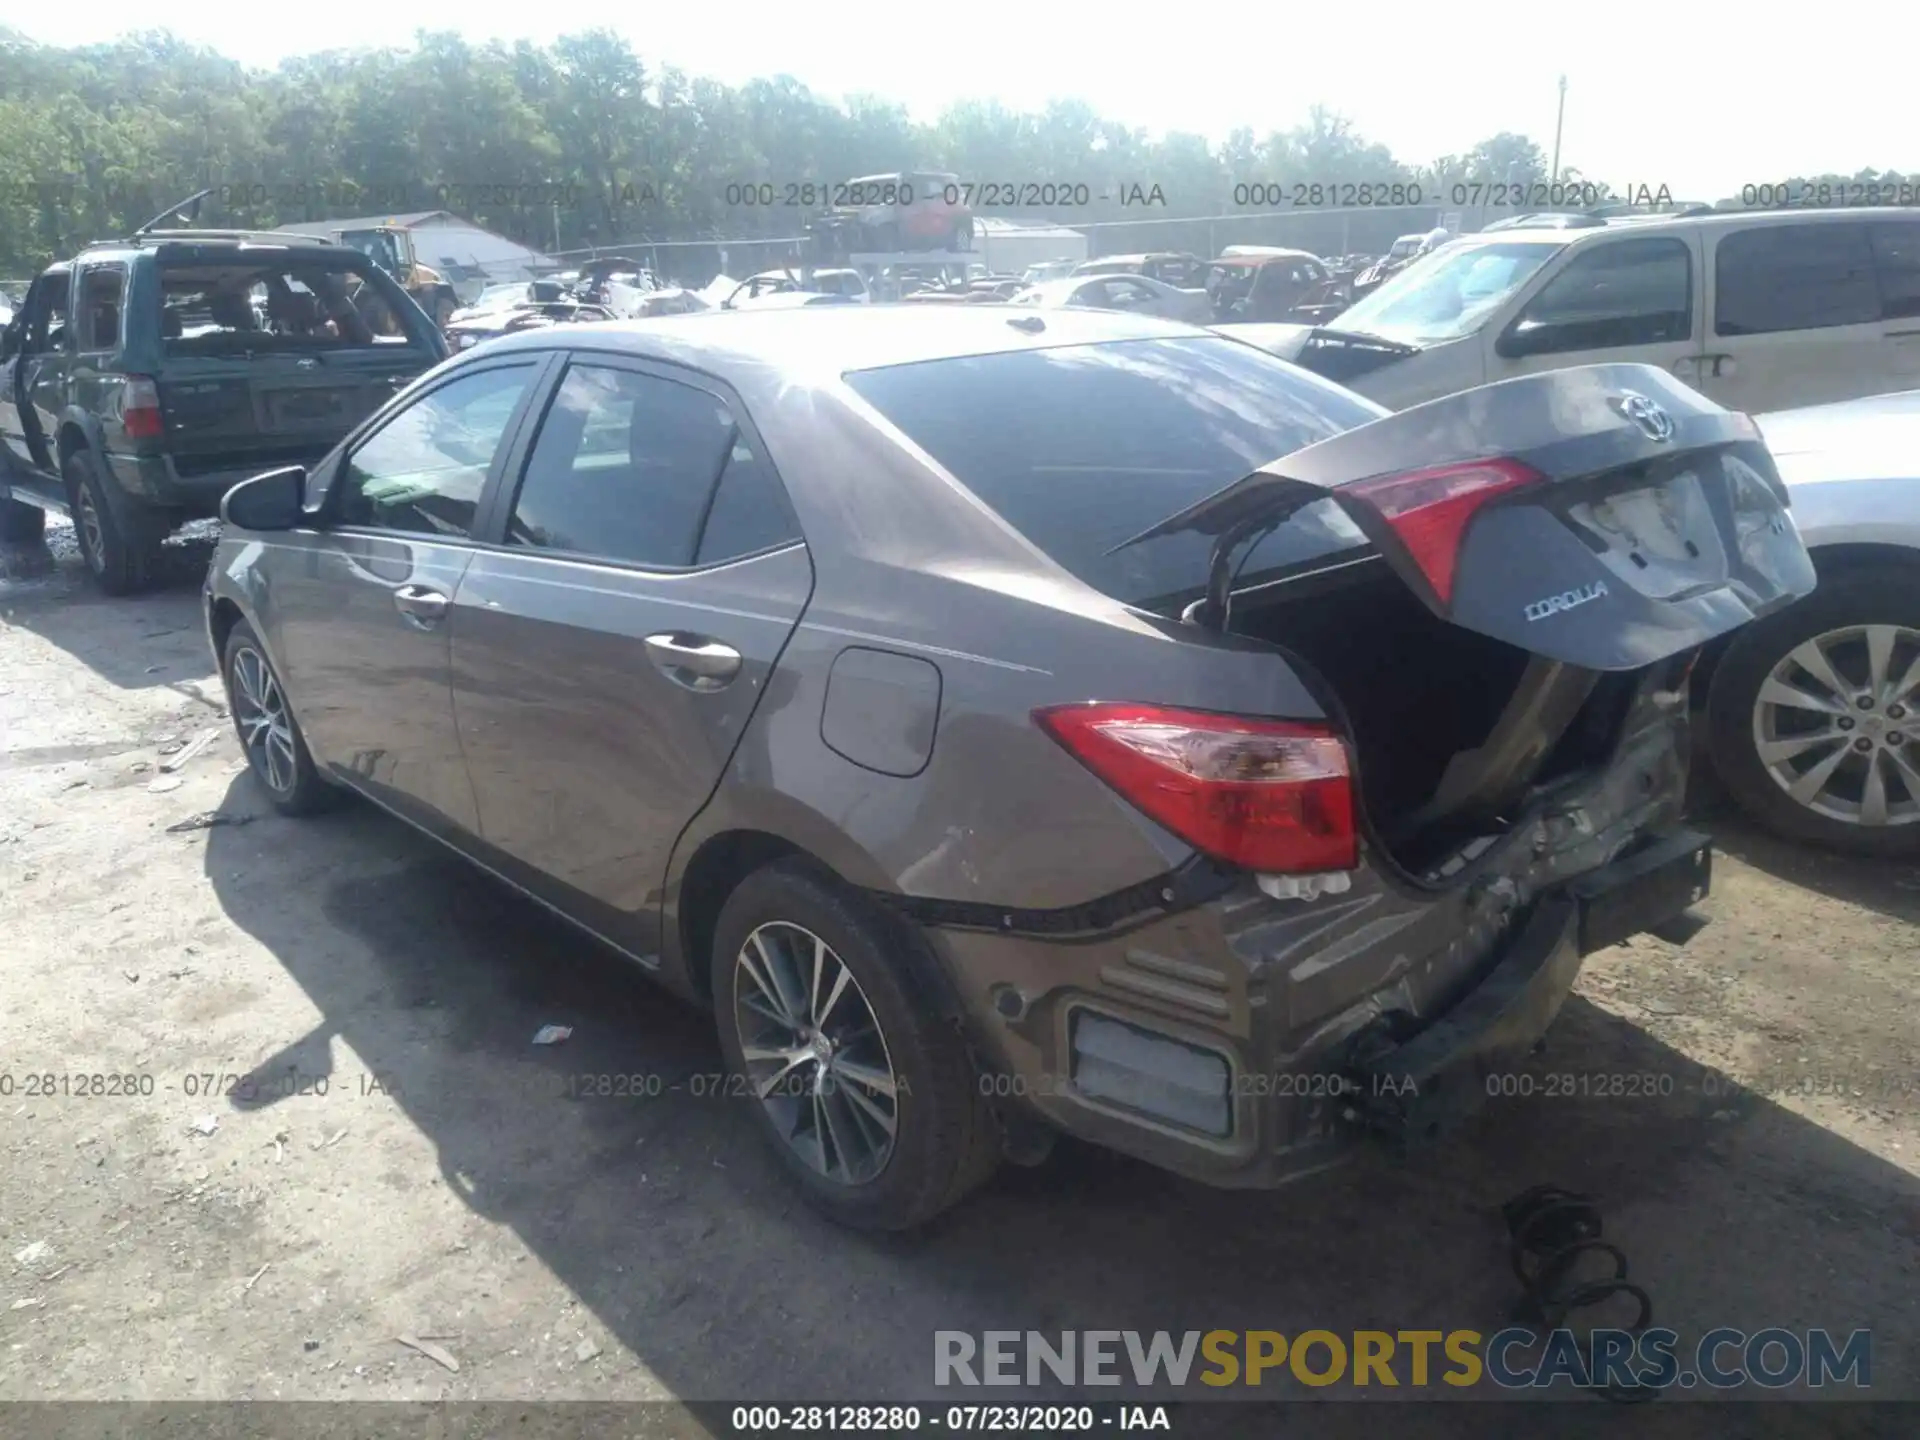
(119, 538)
(269, 735)
(1813, 716)
(864, 1089)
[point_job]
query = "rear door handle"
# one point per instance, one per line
(421, 607)
(694, 661)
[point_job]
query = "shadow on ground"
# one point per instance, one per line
(46, 589)
(663, 1214)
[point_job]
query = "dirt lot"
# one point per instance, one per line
(272, 1242)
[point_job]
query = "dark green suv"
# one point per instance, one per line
(143, 380)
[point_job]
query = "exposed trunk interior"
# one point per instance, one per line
(1451, 727)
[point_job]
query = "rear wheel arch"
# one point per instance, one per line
(722, 861)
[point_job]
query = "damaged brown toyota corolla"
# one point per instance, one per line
(940, 699)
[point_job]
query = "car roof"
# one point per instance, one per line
(262, 248)
(828, 340)
(1681, 224)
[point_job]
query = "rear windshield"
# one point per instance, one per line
(1083, 446)
(252, 307)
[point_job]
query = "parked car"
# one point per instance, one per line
(1813, 714)
(527, 315)
(673, 301)
(894, 213)
(793, 300)
(1135, 293)
(1401, 254)
(767, 282)
(1758, 310)
(1169, 267)
(1032, 804)
(849, 283)
(146, 377)
(1265, 286)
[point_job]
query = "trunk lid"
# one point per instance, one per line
(1632, 518)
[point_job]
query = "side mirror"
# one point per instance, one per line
(1523, 339)
(267, 502)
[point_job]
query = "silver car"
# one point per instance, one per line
(1814, 714)
(1135, 294)
(970, 708)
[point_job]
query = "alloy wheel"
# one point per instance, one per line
(93, 540)
(815, 1056)
(260, 712)
(1836, 728)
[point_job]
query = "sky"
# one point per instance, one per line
(1695, 98)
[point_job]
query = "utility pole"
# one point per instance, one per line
(1559, 122)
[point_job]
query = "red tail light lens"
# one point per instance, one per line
(1270, 795)
(1429, 509)
(140, 409)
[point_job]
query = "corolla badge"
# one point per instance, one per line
(1566, 600)
(1654, 422)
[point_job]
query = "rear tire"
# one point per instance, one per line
(270, 737)
(119, 537)
(1880, 597)
(21, 523)
(790, 919)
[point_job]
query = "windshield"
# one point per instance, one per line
(1162, 424)
(1448, 294)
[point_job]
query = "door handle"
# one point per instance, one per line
(1719, 365)
(420, 606)
(693, 660)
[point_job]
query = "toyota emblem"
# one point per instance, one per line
(1654, 422)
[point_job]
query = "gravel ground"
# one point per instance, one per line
(225, 1232)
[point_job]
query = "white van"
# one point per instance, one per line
(1758, 310)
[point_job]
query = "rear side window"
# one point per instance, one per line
(1794, 277)
(1081, 447)
(255, 307)
(625, 466)
(1896, 262)
(97, 317)
(1622, 292)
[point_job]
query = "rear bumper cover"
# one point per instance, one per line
(1414, 1093)
(1309, 1005)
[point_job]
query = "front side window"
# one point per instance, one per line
(623, 468)
(1794, 277)
(1624, 292)
(421, 473)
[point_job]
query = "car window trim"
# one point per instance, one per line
(539, 364)
(490, 528)
(1571, 255)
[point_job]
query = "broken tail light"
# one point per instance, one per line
(1274, 796)
(1429, 510)
(140, 417)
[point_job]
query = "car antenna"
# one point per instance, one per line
(1032, 324)
(191, 205)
